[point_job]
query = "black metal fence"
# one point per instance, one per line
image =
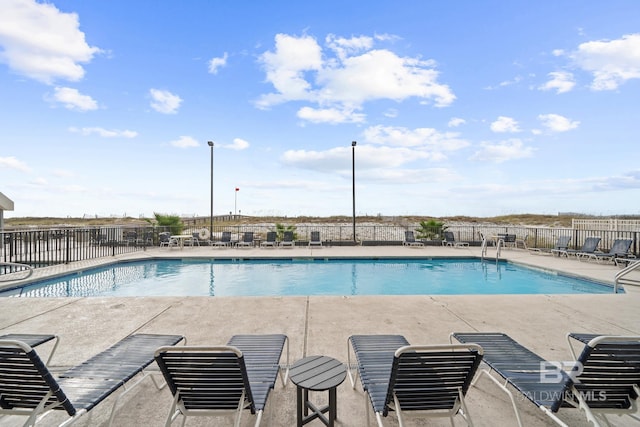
(39, 248)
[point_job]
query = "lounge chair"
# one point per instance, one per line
(28, 387)
(450, 240)
(619, 249)
(604, 379)
(315, 239)
(410, 240)
(225, 240)
(562, 244)
(404, 378)
(287, 240)
(247, 240)
(589, 246)
(271, 240)
(208, 381)
(166, 240)
(34, 340)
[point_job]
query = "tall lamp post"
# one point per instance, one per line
(210, 143)
(353, 176)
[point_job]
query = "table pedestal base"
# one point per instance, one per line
(304, 405)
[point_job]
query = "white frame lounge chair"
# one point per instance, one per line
(210, 381)
(417, 380)
(410, 240)
(287, 240)
(225, 240)
(604, 380)
(562, 244)
(271, 240)
(314, 239)
(450, 240)
(619, 249)
(247, 240)
(78, 390)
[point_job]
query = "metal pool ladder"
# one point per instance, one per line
(483, 253)
(15, 267)
(620, 278)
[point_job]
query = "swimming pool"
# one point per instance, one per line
(294, 277)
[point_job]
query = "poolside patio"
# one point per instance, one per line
(321, 325)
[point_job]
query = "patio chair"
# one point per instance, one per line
(247, 240)
(562, 244)
(208, 381)
(450, 240)
(166, 240)
(271, 240)
(315, 239)
(403, 378)
(605, 378)
(28, 388)
(589, 246)
(410, 240)
(225, 240)
(287, 240)
(619, 249)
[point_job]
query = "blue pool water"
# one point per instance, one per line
(308, 277)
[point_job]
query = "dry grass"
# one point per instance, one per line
(523, 219)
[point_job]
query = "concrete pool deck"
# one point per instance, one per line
(321, 325)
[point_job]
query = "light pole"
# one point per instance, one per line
(210, 143)
(353, 176)
(235, 203)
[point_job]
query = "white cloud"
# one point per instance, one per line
(41, 42)
(105, 133)
(330, 115)
(505, 124)
(455, 122)
(346, 47)
(164, 101)
(72, 99)
(185, 142)
(345, 75)
(557, 123)
(338, 159)
(13, 163)
(217, 63)
(238, 144)
(560, 81)
(503, 151)
(391, 113)
(422, 138)
(612, 62)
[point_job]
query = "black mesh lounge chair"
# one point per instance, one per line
(225, 240)
(605, 378)
(247, 240)
(590, 245)
(287, 240)
(403, 378)
(410, 240)
(619, 249)
(28, 387)
(34, 340)
(271, 240)
(562, 244)
(208, 381)
(315, 239)
(450, 240)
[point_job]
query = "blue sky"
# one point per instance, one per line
(458, 108)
